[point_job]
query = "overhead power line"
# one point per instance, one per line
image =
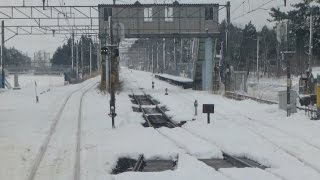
(238, 6)
(253, 10)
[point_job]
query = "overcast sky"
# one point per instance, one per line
(31, 44)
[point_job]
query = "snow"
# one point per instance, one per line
(188, 168)
(289, 147)
(198, 148)
(44, 82)
(248, 174)
(231, 132)
(175, 78)
(24, 124)
(268, 88)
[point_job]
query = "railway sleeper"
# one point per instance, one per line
(141, 164)
(232, 162)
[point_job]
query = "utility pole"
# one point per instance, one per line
(2, 56)
(72, 53)
(98, 55)
(81, 48)
(112, 72)
(77, 59)
(227, 44)
(164, 53)
(152, 61)
(148, 59)
(181, 47)
(174, 55)
(157, 57)
(221, 53)
(310, 43)
(258, 48)
(90, 66)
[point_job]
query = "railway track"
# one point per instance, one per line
(236, 96)
(163, 120)
(237, 162)
(260, 122)
(154, 117)
(79, 130)
(242, 97)
(303, 140)
(44, 147)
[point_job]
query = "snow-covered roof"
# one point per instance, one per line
(176, 78)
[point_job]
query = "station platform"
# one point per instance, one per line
(176, 80)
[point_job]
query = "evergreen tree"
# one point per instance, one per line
(299, 25)
(248, 46)
(63, 56)
(13, 56)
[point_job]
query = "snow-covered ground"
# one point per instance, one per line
(289, 146)
(43, 81)
(268, 88)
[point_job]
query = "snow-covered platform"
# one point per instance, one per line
(176, 80)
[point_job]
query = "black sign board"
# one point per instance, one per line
(208, 108)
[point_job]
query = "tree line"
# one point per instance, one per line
(12, 56)
(63, 55)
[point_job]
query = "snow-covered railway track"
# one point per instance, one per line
(53, 128)
(79, 130)
(249, 124)
(237, 162)
(157, 119)
(187, 98)
(299, 142)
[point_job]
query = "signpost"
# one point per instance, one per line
(209, 109)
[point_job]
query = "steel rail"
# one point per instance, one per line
(139, 164)
(44, 146)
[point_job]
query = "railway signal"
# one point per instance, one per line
(104, 50)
